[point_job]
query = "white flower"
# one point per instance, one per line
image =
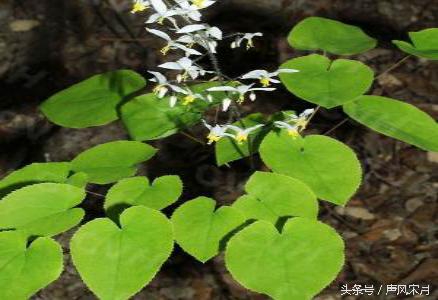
(201, 34)
(241, 90)
(265, 77)
(213, 32)
(161, 13)
(140, 5)
(301, 120)
(248, 37)
(189, 10)
(190, 96)
(241, 134)
(185, 64)
(292, 130)
(216, 132)
(172, 44)
(163, 85)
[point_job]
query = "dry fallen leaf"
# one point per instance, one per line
(23, 25)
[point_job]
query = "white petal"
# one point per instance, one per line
(163, 92)
(207, 125)
(153, 18)
(222, 89)
(186, 39)
(172, 101)
(235, 128)
(264, 89)
(252, 96)
(255, 74)
(158, 76)
(307, 112)
(185, 62)
(160, 34)
(215, 32)
(226, 104)
(171, 66)
(192, 28)
(287, 71)
(159, 6)
(177, 89)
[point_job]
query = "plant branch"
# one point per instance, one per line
(394, 66)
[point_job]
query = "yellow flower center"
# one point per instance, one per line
(249, 45)
(241, 137)
(138, 7)
(265, 81)
(199, 3)
(189, 99)
(165, 49)
(302, 123)
(213, 138)
(241, 99)
(293, 133)
(161, 20)
(158, 89)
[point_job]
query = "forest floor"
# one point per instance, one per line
(390, 226)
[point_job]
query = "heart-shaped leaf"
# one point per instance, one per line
(35, 173)
(295, 264)
(161, 119)
(25, 270)
(424, 44)
(44, 209)
(109, 162)
(273, 196)
(78, 179)
(329, 167)
(327, 83)
(228, 150)
(115, 263)
(94, 101)
(199, 229)
(316, 33)
(396, 119)
(137, 191)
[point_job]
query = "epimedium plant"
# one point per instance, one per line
(271, 236)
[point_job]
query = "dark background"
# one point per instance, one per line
(390, 226)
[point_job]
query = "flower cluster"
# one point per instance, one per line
(178, 23)
(239, 134)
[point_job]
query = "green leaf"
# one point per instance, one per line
(273, 196)
(199, 229)
(35, 173)
(228, 150)
(148, 118)
(44, 209)
(424, 44)
(78, 179)
(94, 101)
(109, 162)
(316, 33)
(329, 167)
(295, 264)
(327, 83)
(116, 263)
(396, 119)
(25, 270)
(138, 191)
